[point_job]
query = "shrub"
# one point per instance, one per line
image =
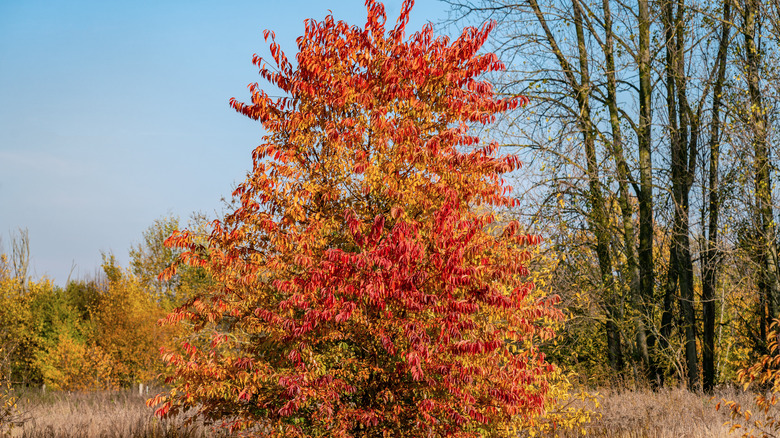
(367, 284)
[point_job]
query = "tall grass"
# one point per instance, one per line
(105, 414)
(668, 413)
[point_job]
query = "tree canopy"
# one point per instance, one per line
(367, 283)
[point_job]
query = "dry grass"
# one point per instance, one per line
(668, 413)
(631, 413)
(115, 414)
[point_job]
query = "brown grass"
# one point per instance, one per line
(114, 414)
(669, 413)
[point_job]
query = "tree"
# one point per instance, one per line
(98, 334)
(20, 255)
(759, 123)
(150, 257)
(125, 329)
(711, 257)
(366, 284)
(622, 158)
(14, 322)
(578, 68)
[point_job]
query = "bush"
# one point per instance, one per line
(367, 283)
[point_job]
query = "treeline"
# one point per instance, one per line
(651, 143)
(97, 333)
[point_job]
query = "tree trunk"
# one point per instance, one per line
(683, 136)
(710, 257)
(644, 145)
(599, 222)
(642, 313)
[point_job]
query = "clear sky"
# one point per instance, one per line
(113, 114)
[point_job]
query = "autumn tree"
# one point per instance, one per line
(122, 346)
(14, 338)
(366, 283)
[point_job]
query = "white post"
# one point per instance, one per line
(141, 389)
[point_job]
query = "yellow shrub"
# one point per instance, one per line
(72, 365)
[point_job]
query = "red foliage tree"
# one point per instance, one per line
(366, 284)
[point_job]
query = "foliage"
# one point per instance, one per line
(567, 409)
(14, 319)
(11, 338)
(116, 346)
(764, 377)
(33, 317)
(365, 285)
(570, 272)
(96, 334)
(150, 257)
(127, 332)
(69, 364)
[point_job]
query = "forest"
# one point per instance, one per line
(473, 236)
(650, 138)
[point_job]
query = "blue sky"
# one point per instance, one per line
(113, 114)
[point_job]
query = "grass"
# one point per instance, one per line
(621, 414)
(106, 414)
(667, 413)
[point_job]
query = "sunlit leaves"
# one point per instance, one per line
(764, 377)
(365, 282)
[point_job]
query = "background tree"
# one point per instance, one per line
(150, 257)
(97, 333)
(711, 190)
(366, 284)
(758, 116)
(126, 330)
(622, 157)
(574, 65)
(15, 309)
(20, 255)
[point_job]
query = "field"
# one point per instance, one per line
(668, 413)
(116, 414)
(631, 413)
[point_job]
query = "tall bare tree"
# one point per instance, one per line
(752, 18)
(20, 255)
(711, 256)
(567, 43)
